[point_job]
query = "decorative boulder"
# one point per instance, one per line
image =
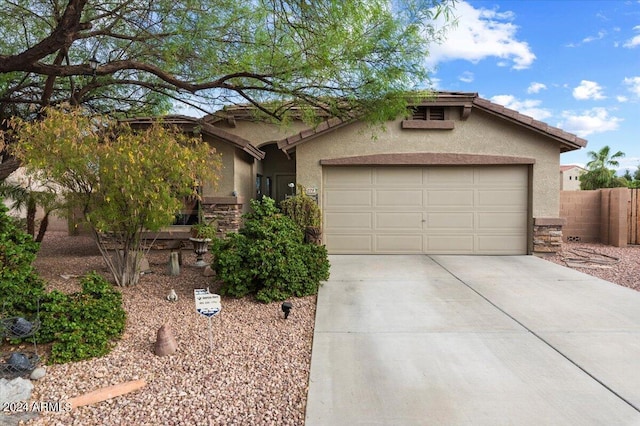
(18, 389)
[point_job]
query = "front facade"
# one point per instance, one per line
(462, 175)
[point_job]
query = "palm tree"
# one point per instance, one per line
(601, 171)
(602, 159)
(24, 197)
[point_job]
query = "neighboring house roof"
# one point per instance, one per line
(467, 101)
(199, 125)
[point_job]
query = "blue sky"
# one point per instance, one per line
(571, 64)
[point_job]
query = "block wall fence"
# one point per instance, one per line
(598, 216)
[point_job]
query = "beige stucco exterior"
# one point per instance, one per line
(480, 133)
(260, 133)
(453, 129)
(570, 178)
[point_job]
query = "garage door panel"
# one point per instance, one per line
(408, 221)
(341, 177)
(398, 178)
(501, 221)
(449, 244)
(349, 243)
(501, 176)
(450, 220)
(500, 244)
(399, 198)
(398, 243)
(505, 198)
(349, 220)
(450, 198)
(449, 176)
(349, 198)
(433, 210)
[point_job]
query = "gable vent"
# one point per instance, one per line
(427, 113)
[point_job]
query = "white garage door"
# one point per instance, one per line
(433, 210)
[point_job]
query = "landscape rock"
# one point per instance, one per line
(15, 390)
(165, 342)
(38, 373)
(208, 272)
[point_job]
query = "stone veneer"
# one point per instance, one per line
(226, 210)
(547, 235)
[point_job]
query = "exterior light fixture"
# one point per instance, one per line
(286, 308)
(93, 64)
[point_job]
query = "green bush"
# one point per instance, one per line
(20, 286)
(269, 258)
(82, 325)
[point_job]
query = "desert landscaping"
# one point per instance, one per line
(258, 370)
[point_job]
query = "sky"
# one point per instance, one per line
(571, 64)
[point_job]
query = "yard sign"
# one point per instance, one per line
(207, 304)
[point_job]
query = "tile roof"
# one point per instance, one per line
(467, 100)
(191, 123)
(568, 141)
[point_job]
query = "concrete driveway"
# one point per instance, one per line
(472, 340)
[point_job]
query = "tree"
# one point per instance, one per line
(599, 174)
(279, 55)
(633, 180)
(29, 195)
(125, 181)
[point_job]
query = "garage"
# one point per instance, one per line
(426, 209)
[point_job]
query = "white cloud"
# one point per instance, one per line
(634, 85)
(466, 77)
(634, 41)
(621, 98)
(530, 107)
(595, 120)
(599, 36)
(536, 87)
(481, 34)
(588, 90)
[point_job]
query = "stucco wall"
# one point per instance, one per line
(260, 133)
(244, 180)
(570, 179)
(481, 133)
(226, 178)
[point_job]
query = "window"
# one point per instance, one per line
(190, 211)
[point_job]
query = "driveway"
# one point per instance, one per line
(472, 340)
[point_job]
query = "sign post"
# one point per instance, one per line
(207, 304)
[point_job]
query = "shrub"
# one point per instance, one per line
(269, 258)
(82, 325)
(20, 286)
(302, 209)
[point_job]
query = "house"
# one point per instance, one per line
(461, 175)
(570, 177)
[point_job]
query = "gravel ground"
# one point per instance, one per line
(257, 373)
(620, 265)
